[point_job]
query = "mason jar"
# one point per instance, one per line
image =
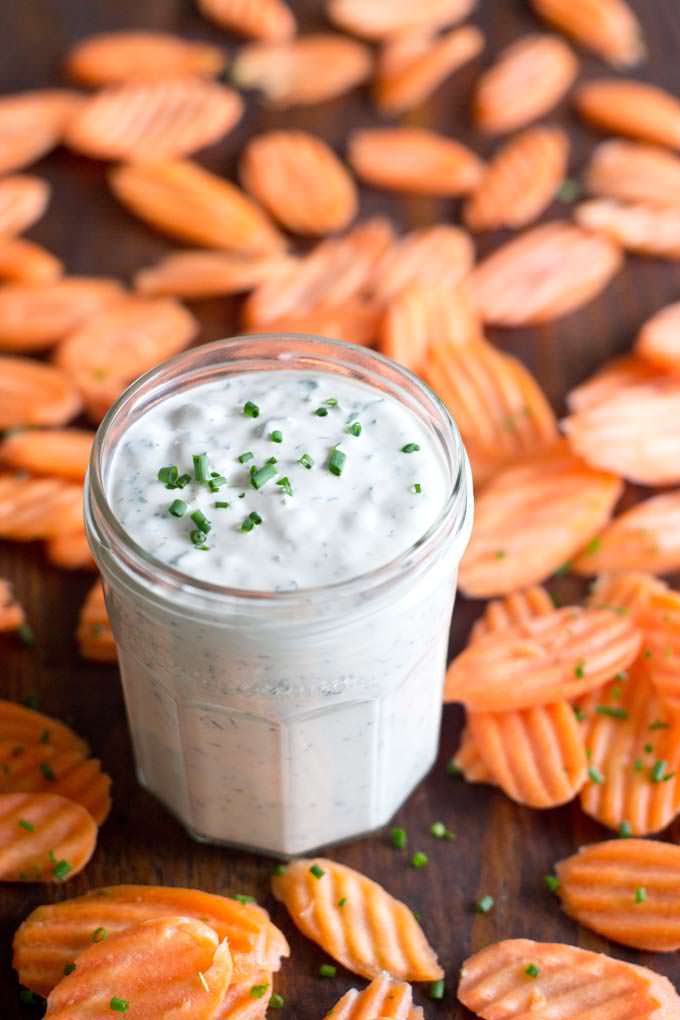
(281, 721)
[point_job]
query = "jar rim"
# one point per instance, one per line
(455, 517)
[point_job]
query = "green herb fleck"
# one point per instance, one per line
(260, 476)
(327, 970)
(201, 521)
(216, 481)
(285, 486)
(580, 714)
(60, 869)
(552, 883)
(276, 436)
(454, 770)
(342, 902)
(595, 775)
(439, 831)
(27, 637)
(625, 830)
(399, 839)
(658, 771)
(417, 488)
(244, 898)
(316, 871)
(531, 970)
(484, 904)
(221, 504)
(69, 968)
(200, 467)
(321, 412)
(410, 448)
(251, 410)
(99, 935)
(243, 458)
(336, 461)
(658, 724)
(47, 771)
(569, 190)
(257, 991)
(119, 1005)
(612, 711)
(25, 824)
(437, 989)
(306, 461)
(168, 476)
(593, 546)
(178, 508)
(579, 669)
(640, 894)
(276, 1001)
(279, 870)
(354, 429)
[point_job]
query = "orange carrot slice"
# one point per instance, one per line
(31, 124)
(302, 72)
(115, 346)
(627, 890)
(646, 537)
(94, 634)
(270, 20)
(153, 120)
(616, 375)
(356, 322)
(34, 508)
(66, 772)
(635, 432)
(33, 317)
(659, 339)
(112, 58)
(517, 608)
(35, 394)
(442, 255)
(205, 274)
(640, 228)
(12, 616)
(21, 725)
(384, 998)
(633, 745)
(659, 621)
(631, 591)
(412, 67)
(384, 18)
(180, 198)
(191, 972)
(496, 403)
(247, 998)
(43, 837)
(468, 762)
(70, 551)
(61, 453)
(545, 273)
(311, 889)
(529, 78)
(423, 311)
(23, 200)
(634, 172)
(632, 108)
(23, 261)
(414, 160)
(53, 935)
(520, 181)
(608, 27)
(556, 657)
(298, 178)
(499, 983)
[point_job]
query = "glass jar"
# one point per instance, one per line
(282, 722)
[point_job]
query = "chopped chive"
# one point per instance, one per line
(331, 402)
(99, 935)
(26, 636)
(69, 968)
(279, 869)
(183, 481)
(29, 998)
(306, 461)
(531, 970)
(399, 839)
(221, 505)
(201, 521)
(47, 771)
(552, 883)
(342, 902)
(316, 871)
(327, 970)
(419, 860)
(336, 461)
(276, 436)
(410, 448)
(168, 475)
(454, 770)
(244, 898)
(200, 467)
(593, 546)
(354, 429)
(439, 831)
(612, 712)
(484, 904)
(321, 412)
(243, 458)
(276, 1001)
(204, 984)
(255, 517)
(60, 870)
(579, 669)
(417, 488)
(437, 989)
(625, 830)
(216, 482)
(595, 775)
(569, 190)
(260, 476)
(622, 676)
(640, 894)
(251, 410)
(580, 714)
(648, 748)
(247, 524)
(284, 484)
(271, 460)
(658, 771)
(659, 725)
(500, 554)
(25, 824)
(257, 991)
(638, 765)
(564, 569)
(119, 1005)
(178, 508)
(198, 538)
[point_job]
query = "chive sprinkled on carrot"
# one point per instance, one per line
(276, 1001)
(316, 871)
(119, 1005)
(640, 894)
(99, 935)
(258, 991)
(25, 824)
(531, 970)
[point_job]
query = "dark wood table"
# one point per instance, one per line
(501, 849)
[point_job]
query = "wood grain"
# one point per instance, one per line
(501, 849)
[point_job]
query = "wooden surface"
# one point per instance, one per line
(501, 849)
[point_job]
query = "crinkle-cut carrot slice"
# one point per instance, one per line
(23, 200)
(646, 537)
(60, 453)
(518, 607)
(182, 199)
(536, 755)
(153, 120)
(67, 772)
(660, 625)
(520, 181)
(468, 762)
(34, 508)
(552, 658)
(302, 72)
(423, 311)
(35, 394)
(335, 271)
(204, 274)
(21, 725)
(600, 887)
(635, 109)
(357, 322)
(70, 551)
(414, 160)
(23, 261)
(384, 999)
(527, 80)
(53, 935)
(112, 58)
(166, 968)
(382, 19)
(616, 375)
(496, 403)
(43, 837)
(608, 27)
(634, 172)
(635, 432)
(12, 615)
(412, 66)
(36, 316)
(370, 934)
(241, 1003)
(633, 745)
(631, 591)
(545, 273)
(31, 124)
(298, 178)
(441, 255)
(269, 20)
(112, 348)
(658, 341)
(94, 634)
(641, 228)
(570, 982)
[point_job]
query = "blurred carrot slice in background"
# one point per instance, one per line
(182, 199)
(384, 998)
(23, 201)
(112, 348)
(204, 274)
(631, 590)
(34, 508)
(634, 172)
(21, 725)
(520, 181)
(528, 79)
(384, 18)
(58, 453)
(640, 228)
(66, 772)
(270, 20)
(659, 339)
(468, 762)
(178, 951)
(660, 625)
(608, 27)
(112, 58)
(298, 178)
(646, 537)
(632, 108)
(356, 321)
(304, 71)
(70, 551)
(517, 608)
(627, 890)
(614, 376)
(35, 394)
(441, 255)
(12, 616)
(414, 160)
(94, 634)
(32, 124)
(43, 837)
(23, 261)
(423, 311)
(543, 274)
(311, 888)
(33, 317)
